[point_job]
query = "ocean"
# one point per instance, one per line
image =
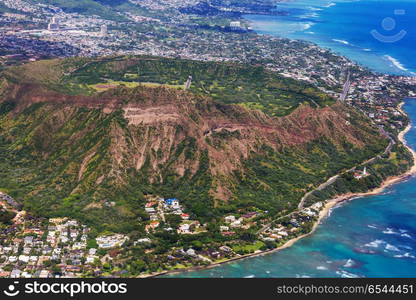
(377, 34)
(372, 236)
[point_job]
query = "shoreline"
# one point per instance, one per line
(324, 213)
(380, 63)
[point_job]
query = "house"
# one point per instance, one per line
(184, 228)
(317, 206)
(275, 236)
(150, 204)
(15, 273)
(230, 219)
(73, 269)
(236, 223)
(154, 217)
(224, 228)
(79, 245)
(142, 241)
(24, 258)
(42, 259)
(309, 212)
(73, 234)
(90, 259)
(173, 203)
(92, 251)
(150, 210)
(44, 274)
(154, 224)
(111, 241)
(4, 274)
(25, 275)
(215, 254)
(226, 249)
(249, 215)
(227, 233)
(185, 216)
(294, 223)
(52, 229)
(28, 240)
(191, 252)
(72, 223)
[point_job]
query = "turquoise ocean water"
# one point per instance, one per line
(379, 34)
(369, 237)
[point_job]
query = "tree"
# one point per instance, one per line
(197, 245)
(139, 266)
(92, 243)
(6, 216)
(173, 220)
(248, 236)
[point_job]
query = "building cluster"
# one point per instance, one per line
(21, 5)
(290, 227)
(185, 256)
(174, 34)
(35, 248)
(159, 208)
(64, 248)
(379, 97)
(233, 223)
(111, 241)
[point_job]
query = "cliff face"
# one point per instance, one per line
(121, 143)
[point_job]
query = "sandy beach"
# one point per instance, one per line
(322, 215)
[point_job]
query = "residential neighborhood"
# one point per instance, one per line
(150, 170)
(65, 248)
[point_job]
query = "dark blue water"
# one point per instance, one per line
(379, 34)
(369, 237)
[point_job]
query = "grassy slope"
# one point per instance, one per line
(252, 87)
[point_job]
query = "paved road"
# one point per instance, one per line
(332, 180)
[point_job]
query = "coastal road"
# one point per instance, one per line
(332, 180)
(321, 187)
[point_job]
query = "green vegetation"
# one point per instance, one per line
(73, 161)
(248, 248)
(395, 163)
(276, 181)
(228, 83)
(6, 216)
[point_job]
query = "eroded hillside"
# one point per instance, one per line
(66, 153)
